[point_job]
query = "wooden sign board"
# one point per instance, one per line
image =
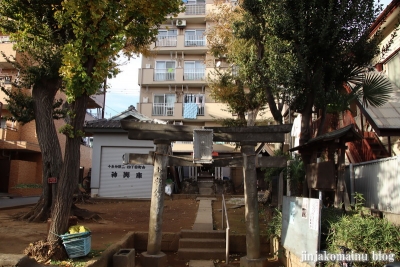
(52, 180)
(321, 175)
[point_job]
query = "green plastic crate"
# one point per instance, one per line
(77, 245)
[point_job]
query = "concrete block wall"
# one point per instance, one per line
(169, 242)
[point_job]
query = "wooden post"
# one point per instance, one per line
(251, 200)
(157, 197)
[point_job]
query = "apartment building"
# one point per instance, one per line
(173, 81)
(20, 156)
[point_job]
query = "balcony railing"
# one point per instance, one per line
(166, 41)
(194, 74)
(161, 109)
(200, 111)
(164, 74)
(5, 39)
(195, 9)
(195, 40)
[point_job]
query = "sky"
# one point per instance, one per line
(124, 89)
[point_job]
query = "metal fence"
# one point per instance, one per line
(379, 183)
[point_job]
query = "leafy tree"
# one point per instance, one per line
(242, 33)
(94, 32)
(32, 27)
(333, 44)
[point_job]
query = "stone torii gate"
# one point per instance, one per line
(163, 135)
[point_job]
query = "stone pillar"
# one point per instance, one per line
(153, 256)
(251, 207)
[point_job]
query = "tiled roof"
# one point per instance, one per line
(114, 124)
(347, 134)
(103, 123)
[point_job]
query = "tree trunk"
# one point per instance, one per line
(43, 95)
(322, 121)
(305, 133)
(251, 117)
(69, 177)
(276, 113)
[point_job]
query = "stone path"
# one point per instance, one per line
(203, 222)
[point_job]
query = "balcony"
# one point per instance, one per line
(210, 111)
(7, 47)
(162, 109)
(162, 77)
(194, 74)
(191, 44)
(195, 9)
(166, 41)
(164, 74)
(200, 110)
(195, 40)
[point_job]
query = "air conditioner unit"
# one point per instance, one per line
(148, 66)
(181, 23)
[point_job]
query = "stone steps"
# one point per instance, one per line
(201, 253)
(201, 243)
(215, 234)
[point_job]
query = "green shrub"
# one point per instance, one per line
(364, 234)
(28, 186)
(274, 228)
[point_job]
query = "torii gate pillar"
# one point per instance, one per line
(153, 256)
(252, 259)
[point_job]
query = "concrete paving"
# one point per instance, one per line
(12, 202)
(204, 221)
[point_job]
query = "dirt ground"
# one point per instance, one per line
(118, 218)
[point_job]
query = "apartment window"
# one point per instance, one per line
(166, 38)
(198, 99)
(163, 105)
(195, 38)
(164, 71)
(194, 70)
(393, 67)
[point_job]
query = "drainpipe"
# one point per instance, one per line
(352, 184)
(288, 192)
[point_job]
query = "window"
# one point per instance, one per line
(194, 70)
(164, 71)
(164, 105)
(393, 69)
(195, 38)
(166, 38)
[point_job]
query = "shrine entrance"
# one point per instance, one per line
(203, 138)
